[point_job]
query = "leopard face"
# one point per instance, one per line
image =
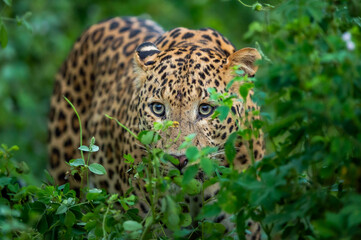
(131, 69)
(173, 83)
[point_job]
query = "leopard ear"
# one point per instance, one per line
(245, 58)
(145, 55)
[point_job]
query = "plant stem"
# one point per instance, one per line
(246, 5)
(80, 127)
(147, 228)
(103, 224)
(87, 172)
(81, 144)
(120, 124)
(81, 182)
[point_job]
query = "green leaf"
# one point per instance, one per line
(69, 220)
(178, 179)
(4, 181)
(62, 209)
(130, 200)
(207, 166)
(214, 229)
(84, 148)
(229, 85)
(113, 197)
(14, 148)
(93, 194)
(95, 190)
(185, 219)
(148, 137)
(3, 36)
(42, 225)
(61, 187)
(77, 162)
(190, 173)
(208, 150)
(66, 188)
(230, 150)
(157, 126)
(97, 169)
(128, 158)
(354, 219)
(193, 187)
(132, 226)
(168, 124)
(140, 168)
(244, 89)
(240, 226)
(172, 220)
(190, 137)
(192, 154)
(173, 172)
(209, 211)
(257, 124)
(223, 112)
(239, 72)
(184, 145)
(93, 148)
(171, 159)
(49, 178)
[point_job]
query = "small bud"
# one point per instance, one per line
(257, 7)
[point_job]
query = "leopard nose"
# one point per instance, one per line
(183, 161)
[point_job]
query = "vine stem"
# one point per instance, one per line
(87, 172)
(81, 144)
(147, 229)
(151, 194)
(103, 223)
(81, 129)
(120, 124)
(246, 5)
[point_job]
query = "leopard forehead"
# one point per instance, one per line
(187, 63)
(183, 75)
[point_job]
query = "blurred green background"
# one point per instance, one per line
(30, 60)
(309, 184)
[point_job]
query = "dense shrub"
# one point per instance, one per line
(310, 184)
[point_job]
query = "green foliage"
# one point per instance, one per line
(20, 20)
(313, 94)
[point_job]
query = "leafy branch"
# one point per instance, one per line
(19, 20)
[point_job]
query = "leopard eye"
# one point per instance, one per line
(205, 110)
(158, 109)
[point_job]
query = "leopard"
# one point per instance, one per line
(133, 70)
